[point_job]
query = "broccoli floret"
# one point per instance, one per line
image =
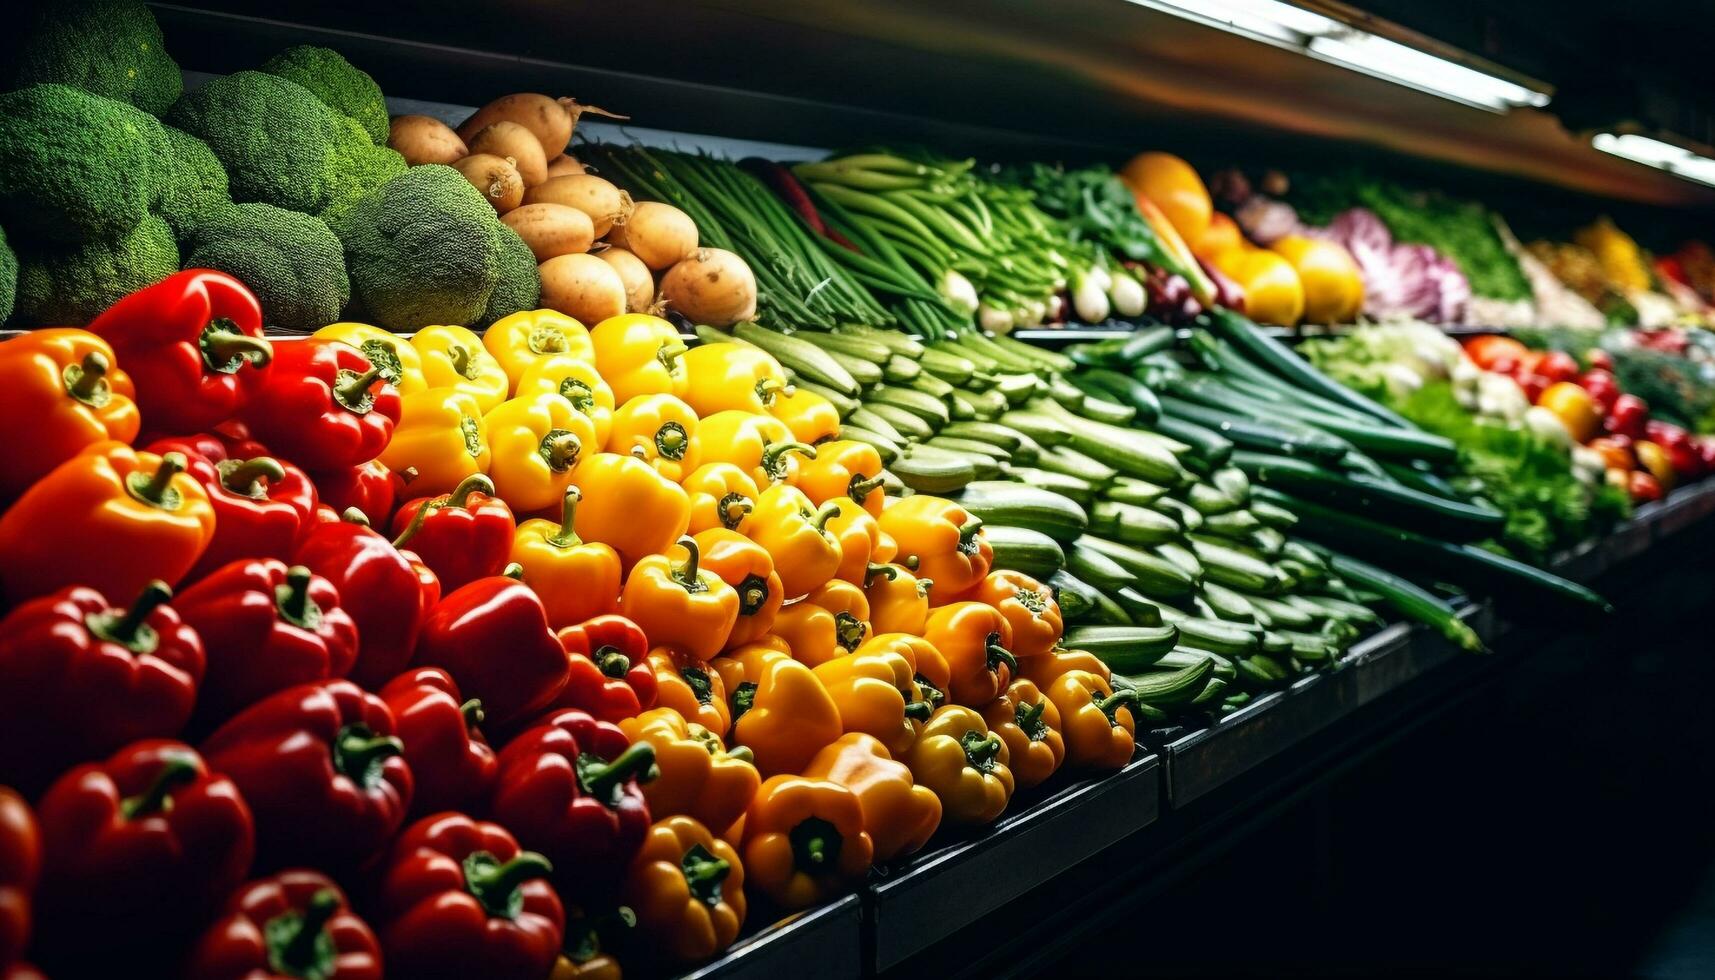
(8, 278)
(277, 141)
(108, 47)
(196, 187)
(520, 284)
(76, 167)
(71, 286)
(342, 87)
(291, 262)
(421, 249)
(359, 167)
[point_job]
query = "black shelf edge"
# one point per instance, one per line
(822, 943)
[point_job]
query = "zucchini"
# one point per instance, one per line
(1180, 511)
(1172, 687)
(1234, 569)
(1182, 558)
(979, 361)
(1095, 353)
(1184, 656)
(1209, 500)
(1283, 615)
(1131, 490)
(854, 345)
(1107, 612)
(842, 404)
(1051, 360)
(1122, 388)
(1213, 691)
(983, 466)
(1125, 649)
(1134, 525)
(1268, 541)
(1075, 598)
(1004, 502)
(1409, 600)
(806, 360)
(1237, 524)
(1096, 568)
(1271, 436)
(1043, 429)
(1233, 482)
(895, 341)
(1227, 604)
(864, 372)
(1219, 636)
(932, 410)
(949, 367)
(1143, 612)
(1024, 550)
(884, 447)
(983, 405)
(932, 386)
(1282, 361)
(900, 370)
(1209, 449)
(1066, 394)
(1151, 575)
(909, 425)
(1081, 491)
(1017, 389)
(1008, 360)
(933, 472)
(992, 433)
(967, 447)
(864, 418)
(1273, 515)
(1063, 459)
(1252, 674)
(1391, 501)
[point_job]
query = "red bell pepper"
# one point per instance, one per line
(1598, 359)
(193, 346)
(493, 637)
(569, 788)
(87, 678)
(325, 776)
(370, 487)
(147, 843)
(460, 899)
(464, 535)
(1642, 487)
(1602, 386)
(610, 676)
(262, 506)
(1627, 417)
(1705, 446)
(265, 627)
(1557, 366)
(452, 763)
(20, 866)
(386, 591)
(324, 406)
(294, 924)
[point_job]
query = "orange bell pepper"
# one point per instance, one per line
(1097, 723)
(844, 469)
(578, 382)
(691, 689)
(945, 540)
(976, 640)
(742, 564)
(679, 604)
(795, 534)
(1027, 721)
(61, 391)
(1045, 669)
(722, 495)
(1028, 605)
(686, 888)
(898, 600)
(877, 694)
(699, 777)
(811, 417)
(929, 668)
(729, 376)
(628, 505)
(859, 535)
(660, 430)
(522, 339)
(760, 445)
(963, 763)
(639, 354)
(1575, 409)
(780, 710)
(110, 518)
(899, 815)
(576, 579)
(805, 840)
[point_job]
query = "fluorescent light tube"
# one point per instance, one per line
(1676, 160)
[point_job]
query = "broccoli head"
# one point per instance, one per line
(196, 187)
(421, 249)
(8, 278)
(71, 286)
(76, 167)
(341, 86)
(277, 141)
(358, 168)
(291, 261)
(519, 286)
(108, 47)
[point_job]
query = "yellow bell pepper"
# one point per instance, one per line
(964, 764)
(1044, 670)
(690, 689)
(899, 815)
(830, 622)
(928, 668)
(780, 710)
(575, 579)
(976, 640)
(742, 564)
(732, 376)
(660, 430)
(844, 468)
(1028, 605)
(898, 600)
(686, 888)
(859, 536)
(629, 506)
(639, 354)
(804, 840)
(699, 777)
(760, 445)
(796, 535)
(442, 436)
(679, 604)
(722, 495)
(1027, 721)
(1096, 721)
(577, 382)
(945, 540)
(400, 364)
(525, 337)
(876, 693)
(453, 357)
(809, 416)
(537, 444)
(1273, 292)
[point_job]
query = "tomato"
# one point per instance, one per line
(1598, 359)
(1487, 349)
(1627, 416)
(1602, 386)
(1643, 487)
(1557, 366)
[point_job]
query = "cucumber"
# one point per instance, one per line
(1234, 569)
(864, 418)
(1386, 500)
(1007, 360)
(1209, 449)
(1180, 511)
(1268, 541)
(1283, 362)
(1184, 656)
(979, 360)
(933, 472)
(968, 447)
(983, 466)
(1227, 604)
(932, 410)
(1132, 452)
(1275, 644)
(1078, 490)
(1232, 482)
(1351, 612)
(1063, 459)
(1310, 647)
(804, 358)
(1122, 388)
(899, 343)
(950, 368)
(1252, 674)
(1182, 557)
(1130, 490)
(1237, 524)
(932, 386)
(984, 406)
(842, 404)
(1098, 409)
(1270, 435)
(1151, 575)
(1096, 568)
(1209, 500)
(853, 345)
(1050, 360)
(1212, 694)
(993, 433)
(1134, 525)
(1274, 668)
(1126, 649)
(864, 372)
(909, 425)
(1004, 502)
(900, 370)
(1076, 599)
(1143, 612)
(1409, 601)
(1283, 616)
(1018, 389)
(1218, 636)
(1024, 550)
(1272, 515)
(1043, 429)
(1172, 687)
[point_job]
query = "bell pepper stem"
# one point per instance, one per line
(354, 515)
(919, 710)
(176, 771)
(704, 874)
(669, 354)
(1029, 717)
(888, 572)
(130, 629)
(816, 844)
(244, 477)
(156, 489)
(849, 630)
(560, 449)
(734, 508)
(911, 562)
(359, 753)
(860, 488)
(296, 947)
(514, 571)
(351, 389)
(568, 535)
(460, 497)
(496, 885)
(998, 654)
(1111, 704)
(292, 599)
(773, 462)
(742, 753)
(981, 751)
(752, 595)
(968, 535)
(605, 780)
(87, 381)
(828, 512)
(768, 388)
(460, 357)
(611, 662)
(923, 587)
(473, 714)
(671, 441)
(225, 348)
(548, 339)
(687, 574)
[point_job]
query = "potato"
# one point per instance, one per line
(544, 117)
(582, 287)
(639, 284)
(495, 177)
(425, 139)
(659, 234)
(564, 164)
(598, 198)
(516, 144)
(551, 229)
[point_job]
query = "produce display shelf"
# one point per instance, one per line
(822, 943)
(947, 888)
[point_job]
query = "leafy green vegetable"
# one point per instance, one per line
(1095, 206)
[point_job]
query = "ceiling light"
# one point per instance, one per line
(1676, 160)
